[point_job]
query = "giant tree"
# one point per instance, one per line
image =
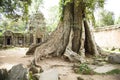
(72, 36)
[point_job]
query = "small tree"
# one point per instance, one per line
(106, 18)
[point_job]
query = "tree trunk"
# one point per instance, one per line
(77, 26)
(69, 38)
(90, 46)
(32, 49)
(57, 42)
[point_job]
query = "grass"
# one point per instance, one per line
(7, 48)
(84, 69)
(114, 71)
(112, 50)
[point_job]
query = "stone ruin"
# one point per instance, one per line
(36, 33)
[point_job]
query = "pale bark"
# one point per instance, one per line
(77, 26)
(32, 49)
(90, 46)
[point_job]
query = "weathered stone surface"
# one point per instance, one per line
(18, 72)
(49, 75)
(3, 74)
(114, 58)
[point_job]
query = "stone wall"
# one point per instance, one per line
(108, 37)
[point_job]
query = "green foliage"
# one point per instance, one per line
(88, 7)
(114, 71)
(4, 25)
(61, 9)
(106, 18)
(67, 1)
(84, 69)
(14, 8)
(30, 76)
(0, 34)
(14, 26)
(19, 26)
(35, 6)
(92, 5)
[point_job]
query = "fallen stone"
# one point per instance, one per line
(49, 75)
(114, 58)
(18, 72)
(105, 68)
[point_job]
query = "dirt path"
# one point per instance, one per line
(66, 72)
(11, 57)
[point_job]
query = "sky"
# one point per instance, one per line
(114, 6)
(110, 5)
(47, 5)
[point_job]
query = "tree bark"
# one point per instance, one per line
(90, 46)
(32, 49)
(77, 26)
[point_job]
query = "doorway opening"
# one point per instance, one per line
(9, 41)
(39, 40)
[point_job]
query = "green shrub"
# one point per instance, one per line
(30, 76)
(84, 69)
(113, 49)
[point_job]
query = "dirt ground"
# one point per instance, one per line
(11, 57)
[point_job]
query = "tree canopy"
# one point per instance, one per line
(89, 6)
(15, 9)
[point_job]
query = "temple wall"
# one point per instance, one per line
(108, 38)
